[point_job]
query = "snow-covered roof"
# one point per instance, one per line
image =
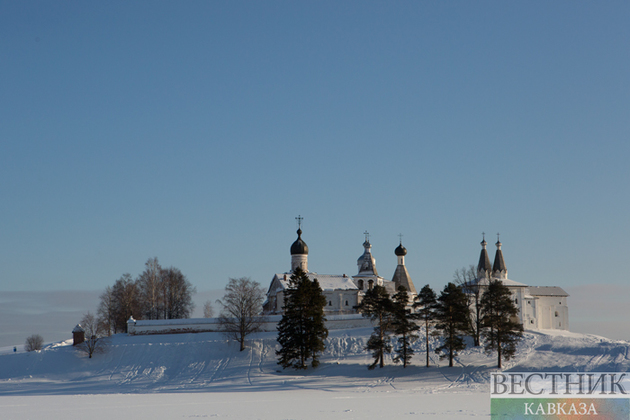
(334, 282)
(506, 282)
(326, 281)
(547, 291)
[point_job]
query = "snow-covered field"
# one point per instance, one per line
(203, 376)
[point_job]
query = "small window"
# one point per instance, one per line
(529, 302)
(329, 303)
(531, 321)
(556, 314)
(516, 301)
(346, 303)
(360, 284)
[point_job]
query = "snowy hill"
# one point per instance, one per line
(206, 362)
(201, 376)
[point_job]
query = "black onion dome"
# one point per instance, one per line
(299, 247)
(400, 251)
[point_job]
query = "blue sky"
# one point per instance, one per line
(196, 132)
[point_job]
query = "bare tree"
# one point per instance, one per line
(94, 334)
(466, 278)
(241, 308)
(176, 293)
(149, 284)
(208, 310)
(34, 342)
(126, 297)
(106, 311)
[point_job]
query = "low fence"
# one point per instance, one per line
(197, 325)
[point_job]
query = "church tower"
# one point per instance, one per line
(499, 270)
(401, 275)
(299, 250)
(484, 269)
(367, 277)
(366, 262)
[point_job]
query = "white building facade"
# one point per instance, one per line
(343, 293)
(540, 307)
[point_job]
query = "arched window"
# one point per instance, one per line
(370, 284)
(346, 303)
(360, 284)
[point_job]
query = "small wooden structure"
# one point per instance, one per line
(78, 335)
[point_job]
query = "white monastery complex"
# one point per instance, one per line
(540, 307)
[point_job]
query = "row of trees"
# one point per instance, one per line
(449, 315)
(157, 293)
(390, 316)
(489, 316)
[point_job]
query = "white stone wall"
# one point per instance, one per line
(541, 312)
(341, 301)
(545, 313)
(530, 313)
(279, 301)
(553, 313)
(194, 325)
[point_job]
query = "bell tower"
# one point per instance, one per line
(299, 250)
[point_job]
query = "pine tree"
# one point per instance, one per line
(502, 331)
(403, 326)
(425, 311)
(302, 329)
(452, 321)
(377, 306)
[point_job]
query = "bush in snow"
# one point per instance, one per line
(34, 342)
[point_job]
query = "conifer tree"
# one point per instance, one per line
(377, 306)
(452, 321)
(302, 329)
(425, 311)
(403, 326)
(502, 331)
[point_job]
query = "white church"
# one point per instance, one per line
(343, 293)
(540, 307)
